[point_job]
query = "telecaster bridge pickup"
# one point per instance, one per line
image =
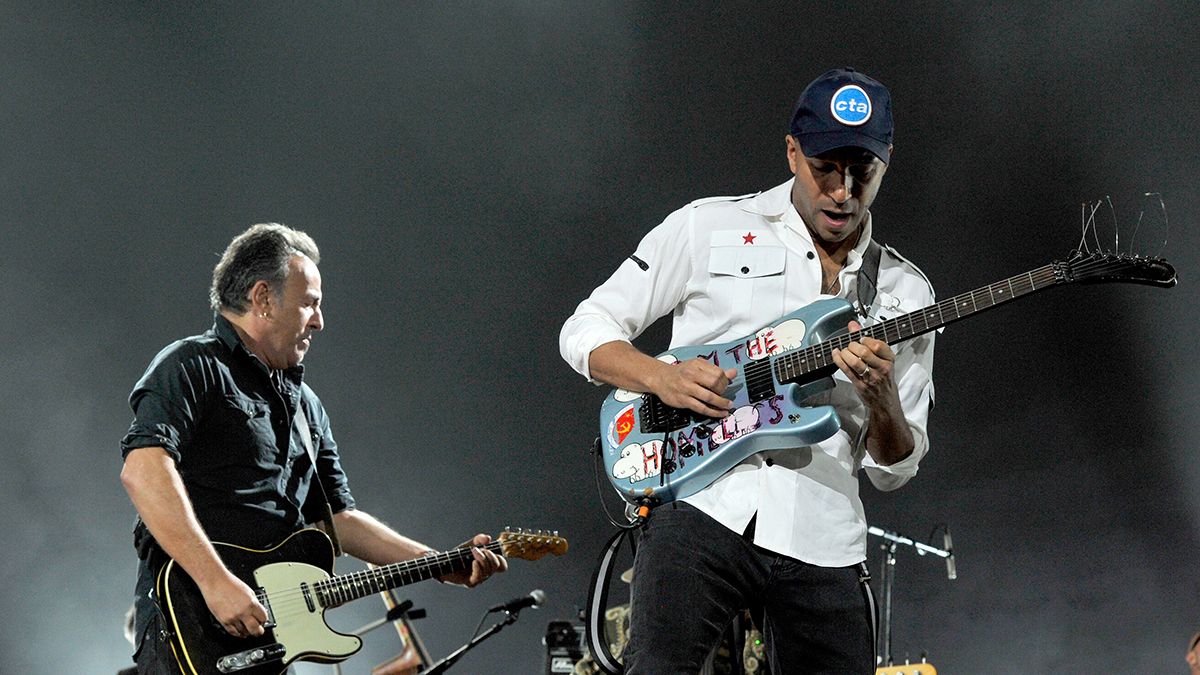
(250, 658)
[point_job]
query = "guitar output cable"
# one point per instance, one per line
(643, 508)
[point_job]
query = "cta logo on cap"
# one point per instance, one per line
(850, 105)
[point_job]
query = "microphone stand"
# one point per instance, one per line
(444, 665)
(891, 541)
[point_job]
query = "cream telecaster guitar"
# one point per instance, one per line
(293, 581)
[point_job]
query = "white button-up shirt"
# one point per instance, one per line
(724, 268)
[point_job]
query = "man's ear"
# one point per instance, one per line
(260, 297)
(793, 152)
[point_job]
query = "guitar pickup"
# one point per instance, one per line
(250, 658)
(760, 383)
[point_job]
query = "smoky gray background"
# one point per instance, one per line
(472, 170)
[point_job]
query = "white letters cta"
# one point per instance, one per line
(850, 105)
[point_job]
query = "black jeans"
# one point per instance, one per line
(692, 575)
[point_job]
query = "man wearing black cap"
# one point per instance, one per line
(783, 533)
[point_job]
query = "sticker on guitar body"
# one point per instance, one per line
(640, 461)
(622, 425)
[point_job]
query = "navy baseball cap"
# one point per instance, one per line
(843, 108)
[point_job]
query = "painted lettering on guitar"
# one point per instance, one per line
(739, 423)
(639, 461)
(760, 345)
(774, 402)
(650, 459)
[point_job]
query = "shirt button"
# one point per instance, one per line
(811, 255)
(769, 462)
(745, 270)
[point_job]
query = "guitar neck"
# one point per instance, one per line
(344, 588)
(817, 359)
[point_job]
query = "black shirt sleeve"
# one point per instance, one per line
(166, 402)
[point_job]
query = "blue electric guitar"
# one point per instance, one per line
(655, 452)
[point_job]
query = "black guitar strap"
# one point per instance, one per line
(306, 434)
(868, 273)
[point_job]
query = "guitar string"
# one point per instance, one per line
(795, 363)
(344, 588)
(822, 353)
(337, 590)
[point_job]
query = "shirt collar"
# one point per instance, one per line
(776, 205)
(224, 330)
(227, 333)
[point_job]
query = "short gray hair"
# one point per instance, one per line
(261, 253)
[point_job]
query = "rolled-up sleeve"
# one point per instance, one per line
(914, 364)
(646, 286)
(165, 405)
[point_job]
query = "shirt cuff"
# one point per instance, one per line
(891, 476)
(579, 339)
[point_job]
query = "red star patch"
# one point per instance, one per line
(748, 238)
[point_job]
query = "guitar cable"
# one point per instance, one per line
(643, 509)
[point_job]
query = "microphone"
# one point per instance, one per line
(534, 600)
(951, 572)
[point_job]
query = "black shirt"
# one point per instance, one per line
(230, 424)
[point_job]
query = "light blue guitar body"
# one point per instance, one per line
(660, 453)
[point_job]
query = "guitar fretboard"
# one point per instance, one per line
(795, 365)
(344, 588)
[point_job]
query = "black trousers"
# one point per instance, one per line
(692, 575)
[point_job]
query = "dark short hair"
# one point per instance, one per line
(261, 253)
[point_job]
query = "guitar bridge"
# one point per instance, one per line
(250, 658)
(658, 417)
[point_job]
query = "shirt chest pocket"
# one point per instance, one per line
(246, 429)
(746, 284)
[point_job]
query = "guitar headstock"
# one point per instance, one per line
(530, 544)
(1099, 267)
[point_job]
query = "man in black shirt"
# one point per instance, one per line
(216, 450)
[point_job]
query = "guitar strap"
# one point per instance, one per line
(868, 273)
(306, 434)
